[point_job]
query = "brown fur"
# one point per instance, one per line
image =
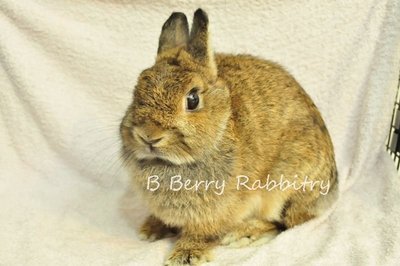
(254, 119)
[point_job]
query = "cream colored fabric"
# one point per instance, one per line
(67, 73)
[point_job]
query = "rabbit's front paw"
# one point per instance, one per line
(186, 257)
(154, 229)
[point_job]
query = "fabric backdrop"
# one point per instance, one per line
(67, 73)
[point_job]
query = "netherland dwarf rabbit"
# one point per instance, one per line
(206, 133)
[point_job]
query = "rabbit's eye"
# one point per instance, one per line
(192, 100)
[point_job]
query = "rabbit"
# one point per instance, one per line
(238, 120)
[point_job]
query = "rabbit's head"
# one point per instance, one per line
(180, 108)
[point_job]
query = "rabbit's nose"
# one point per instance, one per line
(150, 141)
(149, 134)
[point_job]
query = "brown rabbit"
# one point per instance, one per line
(204, 134)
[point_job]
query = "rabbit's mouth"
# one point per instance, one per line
(148, 152)
(174, 155)
(164, 146)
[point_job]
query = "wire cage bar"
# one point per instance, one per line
(393, 141)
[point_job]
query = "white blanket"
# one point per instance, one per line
(67, 73)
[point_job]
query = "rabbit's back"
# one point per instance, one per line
(278, 127)
(264, 93)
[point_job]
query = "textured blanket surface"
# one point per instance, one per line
(67, 71)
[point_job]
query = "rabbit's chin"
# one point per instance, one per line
(168, 158)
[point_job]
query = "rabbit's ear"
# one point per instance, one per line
(199, 43)
(174, 33)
